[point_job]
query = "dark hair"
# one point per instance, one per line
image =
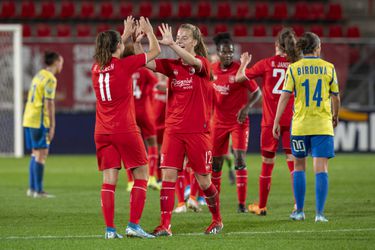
(308, 43)
(222, 38)
(286, 40)
(50, 57)
(200, 49)
(106, 45)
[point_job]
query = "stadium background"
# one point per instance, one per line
(70, 28)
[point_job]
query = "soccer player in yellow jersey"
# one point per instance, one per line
(39, 120)
(316, 105)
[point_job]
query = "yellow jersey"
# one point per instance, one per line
(43, 87)
(312, 80)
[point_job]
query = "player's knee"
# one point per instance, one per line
(240, 166)
(204, 181)
(140, 173)
(110, 176)
(217, 164)
(239, 163)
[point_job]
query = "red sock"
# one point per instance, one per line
(187, 177)
(152, 159)
(108, 204)
(180, 186)
(265, 183)
(158, 171)
(130, 175)
(137, 200)
(213, 203)
(166, 202)
(193, 186)
(216, 180)
(241, 176)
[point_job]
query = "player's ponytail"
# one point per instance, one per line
(308, 43)
(106, 45)
(286, 40)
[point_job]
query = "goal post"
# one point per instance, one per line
(11, 96)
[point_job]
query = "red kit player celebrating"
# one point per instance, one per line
(187, 121)
(232, 104)
(273, 72)
(116, 134)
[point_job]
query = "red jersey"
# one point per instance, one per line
(230, 96)
(143, 81)
(159, 104)
(114, 94)
(272, 70)
(188, 95)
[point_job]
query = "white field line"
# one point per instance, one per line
(348, 230)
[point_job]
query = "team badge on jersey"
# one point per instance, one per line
(215, 77)
(191, 70)
(175, 72)
(232, 79)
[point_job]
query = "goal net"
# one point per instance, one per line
(11, 99)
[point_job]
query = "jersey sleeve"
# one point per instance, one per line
(251, 85)
(134, 62)
(50, 89)
(289, 81)
(151, 80)
(334, 86)
(205, 69)
(257, 70)
(164, 66)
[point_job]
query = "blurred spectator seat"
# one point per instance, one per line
(261, 10)
(184, 9)
(102, 27)
(298, 29)
(145, 9)
(242, 10)
(87, 10)
(353, 32)
(259, 31)
(165, 9)
(220, 27)
(280, 11)
(301, 11)
(63, 30)
(203, 28)
(106, 10)
(276, 29)
(335, 31)
(28, 9)
(67, 10)
(317, 29)
(43, 30)
(240, 30)
(317, 11)
(204, 9)
(26, 30)
(47, 10)
(8, 9)
(126, 9)
(223, 10)
(83, 30)
(334, 12)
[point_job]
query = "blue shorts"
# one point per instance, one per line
(36, 138)
(318, 145)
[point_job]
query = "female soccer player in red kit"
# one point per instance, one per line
(187, 121)
(232, 103)
(273, 72)
(116, 134)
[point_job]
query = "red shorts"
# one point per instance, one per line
(197, 148)
(269, 143)
(220, 138)
(112, 148)
(146, 124)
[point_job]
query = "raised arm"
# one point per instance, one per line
(128, 29)
(137, 38)
(167, 39)
(154, 48)
(245, 60)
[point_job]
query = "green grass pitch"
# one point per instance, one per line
(73, 219)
